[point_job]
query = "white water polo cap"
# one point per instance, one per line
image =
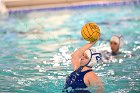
(118, 39)
(94, 57)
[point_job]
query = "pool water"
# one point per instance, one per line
(35, 48)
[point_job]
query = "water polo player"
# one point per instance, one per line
(116, 42)
(82, 77)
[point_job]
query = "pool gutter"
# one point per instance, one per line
(18, 5)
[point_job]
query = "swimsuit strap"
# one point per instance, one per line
(80, 69)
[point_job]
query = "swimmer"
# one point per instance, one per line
(82, 77)
(116, 42)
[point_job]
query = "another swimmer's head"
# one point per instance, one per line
(90, 58)
(115, 43)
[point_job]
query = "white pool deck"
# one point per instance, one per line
(34, 4)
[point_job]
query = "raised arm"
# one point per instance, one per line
(78, 54)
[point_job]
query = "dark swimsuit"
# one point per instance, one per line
(75, 82)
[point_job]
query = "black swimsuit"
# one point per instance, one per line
(75, 81)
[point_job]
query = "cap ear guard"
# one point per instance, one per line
(95, 57)
(121, 40)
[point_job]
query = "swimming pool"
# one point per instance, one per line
(36, 46)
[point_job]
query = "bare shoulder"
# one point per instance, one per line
(91, 75)
(92, 78)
